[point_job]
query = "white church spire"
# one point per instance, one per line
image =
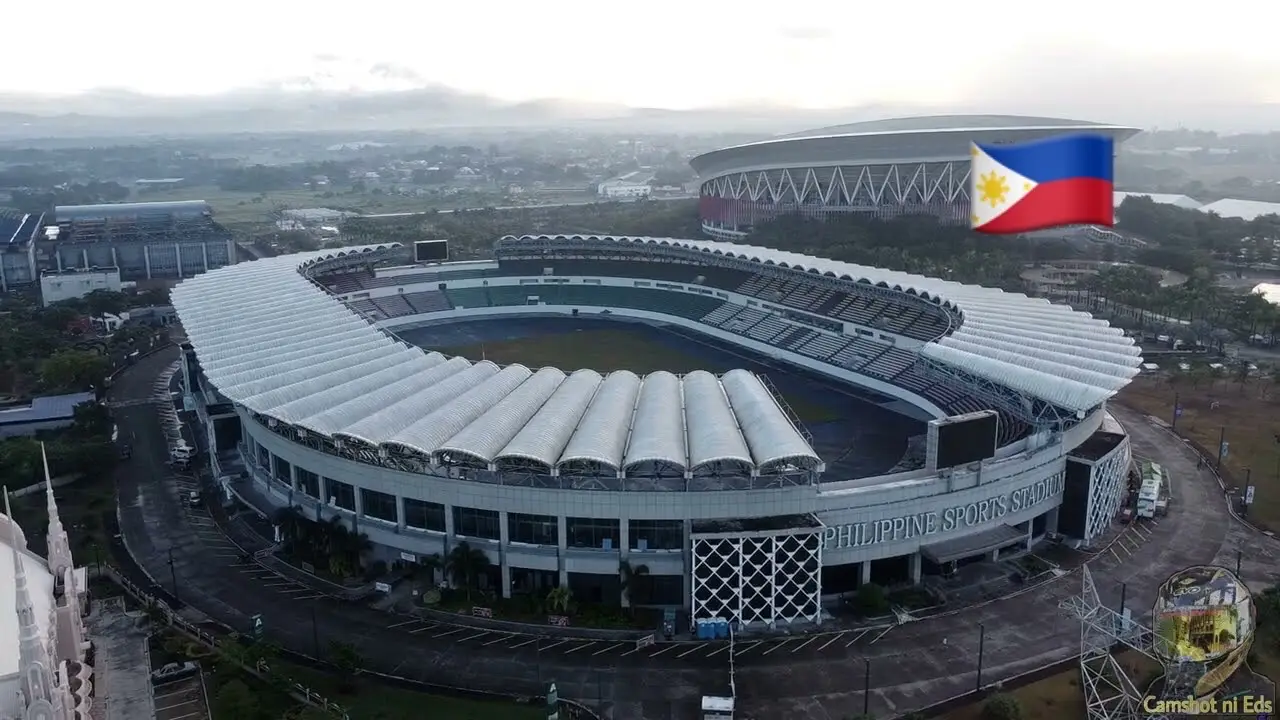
(33, 653)
(59, 544)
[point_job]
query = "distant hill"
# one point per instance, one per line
(121, 113)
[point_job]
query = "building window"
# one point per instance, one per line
(532, 529)
(476, 523)
(264, 458)
(280, 471)
(308, 483)
(341, 494)
(593, 533)
(422, 515)
(378, 505)
(656, 534)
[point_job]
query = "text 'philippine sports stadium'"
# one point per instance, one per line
(312, 399)
(905, 166)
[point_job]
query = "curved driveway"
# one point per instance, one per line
(910, 665)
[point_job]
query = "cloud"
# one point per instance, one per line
(805, 34)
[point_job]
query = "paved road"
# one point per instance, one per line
(803, 677)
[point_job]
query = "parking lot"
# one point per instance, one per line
(1130, 541)
(182, 699)
(839, 642)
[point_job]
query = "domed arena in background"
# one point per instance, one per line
(1204, 625)
(884, 168)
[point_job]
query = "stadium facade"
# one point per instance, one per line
(310, 400)
(137, 241)
(905, 166)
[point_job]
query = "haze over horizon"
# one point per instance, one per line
(1099, 60)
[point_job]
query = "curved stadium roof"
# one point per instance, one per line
(272, 341)
(934, 138)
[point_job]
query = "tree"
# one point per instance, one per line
(559, 598)
(104, 302)
(1002, 707)
(235, 701)
(871, 600)
(349, 662)
(466, 563)
(91, 419)
(73, 371)
(635, 583)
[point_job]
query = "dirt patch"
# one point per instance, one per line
(1060, 696)
(1246, 416)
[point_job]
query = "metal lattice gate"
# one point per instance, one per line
(757, 578)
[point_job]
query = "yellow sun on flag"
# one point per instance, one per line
(992, 189)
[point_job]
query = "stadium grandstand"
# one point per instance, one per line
(18, 232)
(314, 400)
(144, 241)
(904, 166)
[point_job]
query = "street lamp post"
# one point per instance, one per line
(866, 687)
(173, 574)
(982, 641)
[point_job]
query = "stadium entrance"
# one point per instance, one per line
(757, 572)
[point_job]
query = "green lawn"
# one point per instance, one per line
(380, 700)
(608, 350)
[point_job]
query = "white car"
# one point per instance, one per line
(173, 671)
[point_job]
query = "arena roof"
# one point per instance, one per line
(110, 211)
(941, 138)
(1045, 351)
(273, 342)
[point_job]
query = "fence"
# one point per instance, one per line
(260, 669)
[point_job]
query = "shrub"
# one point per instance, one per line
(1002, 707)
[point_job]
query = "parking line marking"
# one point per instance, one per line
(882, 634)
(506, 636)
(605, 650)
(296, 590)
(402, 624)
(526, 642)
(776, 646)
(455, 630)
(857, 637)
(801, 646)
(473, 637)
(694, 649)
(635, 649)
(577, 648)
(668, 647)
(1114, 555)
(312, 597)
(548, 647)
(748, 646)
(425, 627)
(824, 645)
(718, 650)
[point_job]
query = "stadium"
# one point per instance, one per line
(77, 248)
(906, 166)
(313, 398)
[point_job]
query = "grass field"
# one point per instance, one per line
(609, 350)
(1060, 696)
(1246, 416)
(249, 208)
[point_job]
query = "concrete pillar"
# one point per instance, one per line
(865, 568)
(115, 261)
(504, 537)
(400, 513)
(562, 545)
(322, 490)
(994, 555)
(204, 253)
(231, 251)
(84, 256)
(624, 551)
(177, 257)
(293, 482)
(915, 568)
(1051, 521)
(4, 282)
(1031, 530)
(57, 256)
(146, 259)
(449, 534)
(359, 501)
(687, 575)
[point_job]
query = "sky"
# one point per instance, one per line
(662, 53)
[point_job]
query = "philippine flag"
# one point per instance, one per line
(1067, 180)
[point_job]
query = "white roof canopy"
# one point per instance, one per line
(272, 341)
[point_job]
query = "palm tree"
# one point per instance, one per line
(290, 522)
(559, 598)
(635, 583)
(428, 565)
(466, 564)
